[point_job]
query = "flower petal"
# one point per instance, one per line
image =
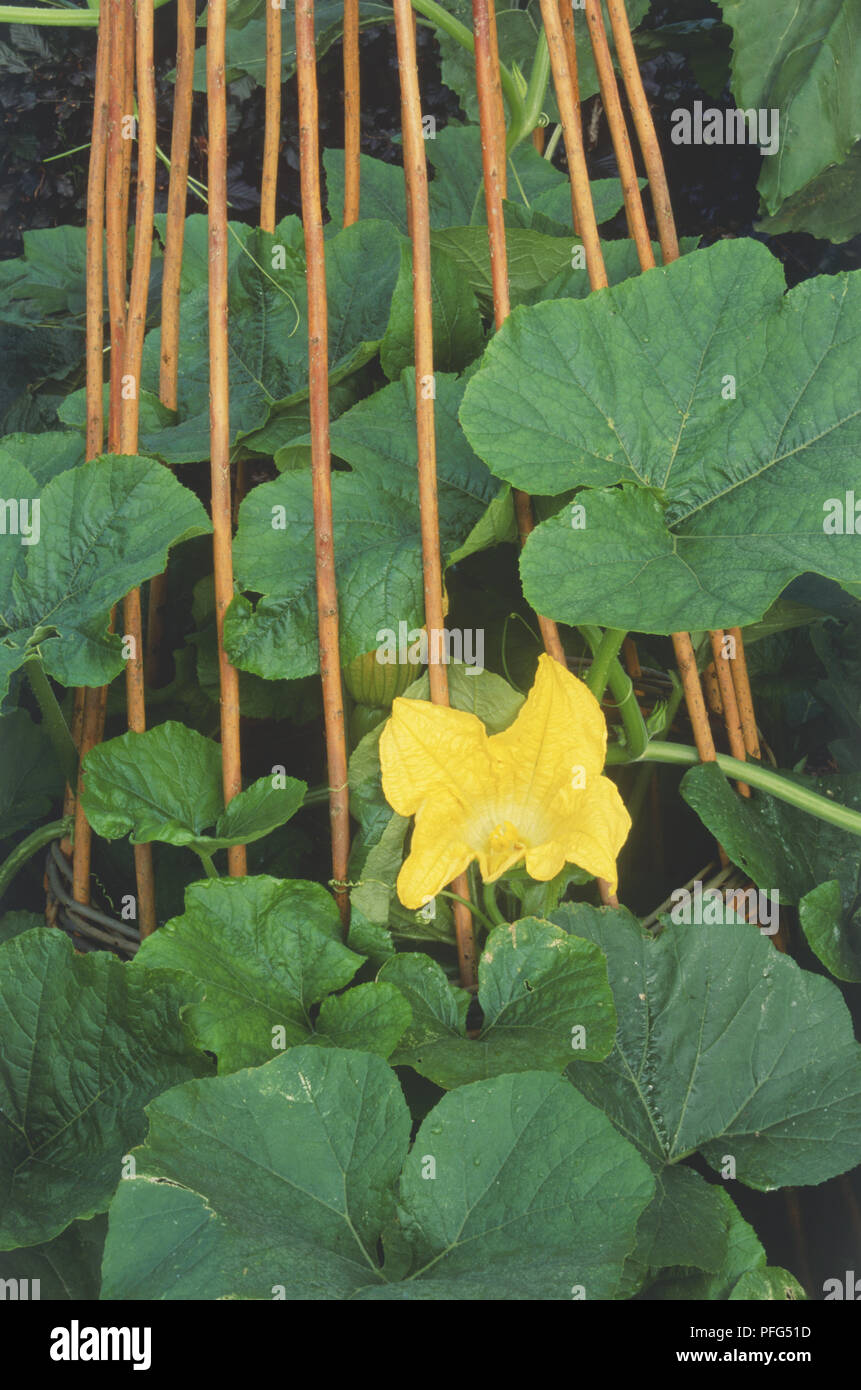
(558, 740)
(439, 851)
(594, 826)
(428, 748)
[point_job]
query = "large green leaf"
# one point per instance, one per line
(542, 994)
(458, 336)
(268, 950)
(806, 63)
(85, 1044)
(727, 1047)
(376, 534)
(165, 784)
(267, 305)
(284, 1179)
(105, 527)
(724, 499)
(381, 188)
(818, 867)
(43, 455)
(742, 1273)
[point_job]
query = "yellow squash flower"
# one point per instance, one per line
(534, 792)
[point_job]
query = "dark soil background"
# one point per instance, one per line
(46, 94)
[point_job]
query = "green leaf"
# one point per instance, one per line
(14, 923)
(376, 537)
(818, 867)
(29, 777)
(458, 336)
(818, 96)
(370, 1017)
(43, 455)
(827, 207)
(267, 304)
(67, 1267)
(286, 1177)
(743, 1266)
(86, 1043)
(381, 188)
(724, 502)
(684, 1224)
(725, 1046)
(542, 994)
(166, 785)
(267, 950)
(105, 527)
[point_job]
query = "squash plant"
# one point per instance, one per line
(462, 1059)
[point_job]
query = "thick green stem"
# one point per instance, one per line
(599, 672)
(459, 32)
(624, 699)
(488, 897)
(533, 102)
(774, 783)
(206, 861)
(52, 717)
(65, 18)
(30, 846)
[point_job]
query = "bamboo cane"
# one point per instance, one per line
(272, 119)
(352, 113)
(744, 695)
(132, 358)
(729, 702)
(634, 213)
(219, 407)
(645, 127)
(582, 207)
(177, 197)
(328, 630)
(415, 173)
(112, 26)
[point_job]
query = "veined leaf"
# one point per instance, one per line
(818, 96)
(104, 527)
(304, 1169)
(165, 784)
(727, 408)
(819, 869)
(268, 950)
(85, 1044)
(376, 535)
(29, 777)
(458, 336)
(725, 1046)
(542, 995)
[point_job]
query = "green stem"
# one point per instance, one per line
(488, 895)
(52, 717)
(459, 32)
(476, 911)
(550, 147)
(774, 783)
(622, 691)
(67, 18)
(533, 102)
(30, 846)
(599, 672)
(206, 861)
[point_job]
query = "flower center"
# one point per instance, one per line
(505, 847)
